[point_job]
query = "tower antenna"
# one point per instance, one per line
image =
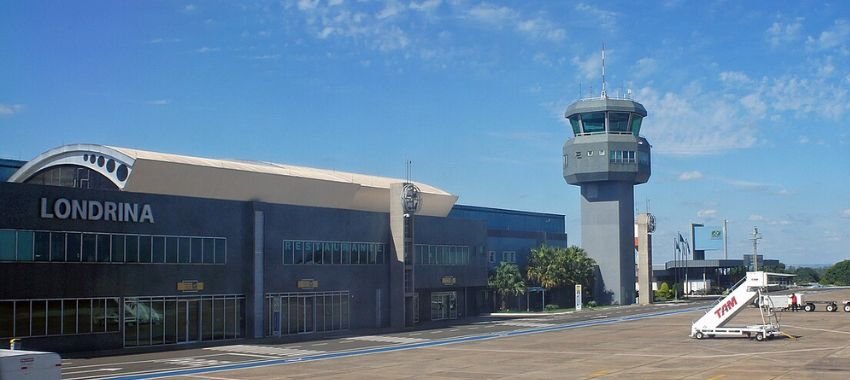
(604, 92)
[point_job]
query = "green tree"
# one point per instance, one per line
(555, 267)
(663, 291)
(777, 268)
(838, 274)
(806, 275)
(507, 280)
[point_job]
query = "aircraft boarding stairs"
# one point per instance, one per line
(713, 323)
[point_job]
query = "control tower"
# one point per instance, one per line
(607, 157)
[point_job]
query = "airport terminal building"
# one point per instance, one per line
(107, 248)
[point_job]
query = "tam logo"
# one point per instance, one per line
(726, 307)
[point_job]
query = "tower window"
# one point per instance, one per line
(593, 122)
(618, 121)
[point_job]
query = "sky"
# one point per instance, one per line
(748, 101)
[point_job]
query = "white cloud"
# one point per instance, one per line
(681, 123)
(589, 67)
(759, 187)
(734, 78)
(158, 102)
(755, 105)
(390, 10)
(539, 28)
(845, 213)
(392, 39)
(645, 67)
(782, 33)
(10, 109)
(190, 8)
(206, 49)
(305, 5)
(492, 14)
(836, 36)
(690, 176)
(803, 140)
(757, 218)
(607, 19)
(707, 213)
(425, 6)
(334, 3)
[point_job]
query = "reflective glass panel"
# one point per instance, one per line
(25, 243)
(636, 122)
(7, 246)
(594, 122)
(618, 121)
(575, 124)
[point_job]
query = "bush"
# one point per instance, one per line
(552, 307)
(591, 304)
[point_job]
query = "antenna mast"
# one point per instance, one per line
(604, 92)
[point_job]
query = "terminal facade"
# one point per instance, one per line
(107, 248)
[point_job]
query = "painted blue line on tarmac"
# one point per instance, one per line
(403, 347)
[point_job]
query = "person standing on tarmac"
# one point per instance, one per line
(793, 302)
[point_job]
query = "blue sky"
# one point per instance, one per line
(748, 101)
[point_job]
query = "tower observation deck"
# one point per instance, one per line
(606, 158)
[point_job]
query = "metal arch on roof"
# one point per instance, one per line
(91, 156)
(172, 174)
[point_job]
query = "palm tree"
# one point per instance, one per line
(555, 267)
(507, 280)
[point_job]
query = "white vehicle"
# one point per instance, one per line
(713, 323)
(18, 364)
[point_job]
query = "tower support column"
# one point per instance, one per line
(607, 235)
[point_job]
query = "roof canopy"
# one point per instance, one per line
(161, 173)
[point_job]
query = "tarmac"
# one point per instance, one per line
(817, 346)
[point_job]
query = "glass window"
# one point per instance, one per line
(145, 249)
(636, 121)
(355, 253)
(57, 246)
(7, 250)
(25, 245)
(54, 317)
(618, 121)
(308, 252)
(220, 251)
(298, 252)
(287, 252)
(380, 254)
(89, 248)
(22, 318)
(7, 319)
(346, 253)
(75, 246)
(42, 246)
(327, 253)
(38, 320)
(575, 124)
(84, 316)
(102, 247)
(69, 317)
(98, 312)
(132, 248)
(209, 251)
(364, 253)
(197, 250)
(158, 254)
(594, 122)
(171, 244)
(118, 248)
(337, 253)
(183, 251)
(318, 250)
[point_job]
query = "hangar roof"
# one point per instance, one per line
(171, 174)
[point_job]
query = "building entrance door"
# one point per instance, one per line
(306, 314)
(443, 305)
(188, 320)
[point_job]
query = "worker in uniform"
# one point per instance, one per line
(793, 302)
